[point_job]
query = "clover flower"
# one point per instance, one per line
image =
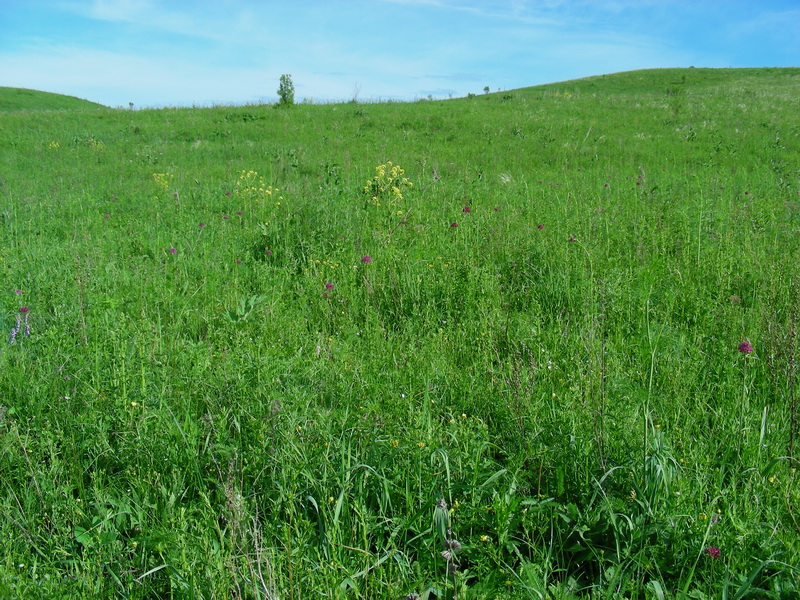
(745, 347)
(712, 551)
(366, 259)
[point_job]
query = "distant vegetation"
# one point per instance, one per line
(12, 99)
(536, 343)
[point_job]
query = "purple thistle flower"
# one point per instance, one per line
(366, 259)
(745, 347)
(713, 552)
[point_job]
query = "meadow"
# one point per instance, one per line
(532, 344)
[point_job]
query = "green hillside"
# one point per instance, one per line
(539, 344)
(15, 99)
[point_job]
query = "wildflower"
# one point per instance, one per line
(366, 259)
(173, 250)
(202, 225)
(240, 213)
(17, 292)
(745, 347)
(227, 193)
(328, 285)
(106, 216)
(453, 224)
(395, 443)
(238, 261)
(225, 217)
(540, 226)
(713, 552)
(466, 209)
(269, 252)
(571, 238)
(23, 310)
(486, 538)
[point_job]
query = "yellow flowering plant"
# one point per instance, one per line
(387, 184)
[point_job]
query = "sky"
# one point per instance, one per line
(156, 53)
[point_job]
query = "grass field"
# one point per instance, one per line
(533, 344)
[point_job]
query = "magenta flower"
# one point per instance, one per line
(238, 261)
(328, 285)
(173, 250)
(202, 225)
(23, 310)
(466, 209)
(453, 224)
(745, 347)
(227, 193)
(106, 216)
(366, 259)
(240, 213)
(225, 217)
(17, 291)
(269, 252)
(713, 552)
(540, 226)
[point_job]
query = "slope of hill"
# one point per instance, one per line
(13, 99)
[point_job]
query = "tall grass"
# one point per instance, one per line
(220, 396)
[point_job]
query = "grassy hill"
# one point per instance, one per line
(530, 344)
(13, 99)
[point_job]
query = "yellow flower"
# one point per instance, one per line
(395, 443)
(486, 538)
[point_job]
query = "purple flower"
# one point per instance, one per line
(269, 252)
(23, 310)
(17, 291)
(240, 213)
(745, 347)
(328, 285)
(366, 259)
(173, 250)
(540, 226)
(227, 193)
(606, 185)
(712, 551)
(202, 225)
(106, 216)
(466, 209)
(453, 224)
(238, 261)
(225, 217)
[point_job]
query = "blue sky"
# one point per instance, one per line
(203, 52)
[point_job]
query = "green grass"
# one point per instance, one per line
(14, 99)
(196, 414)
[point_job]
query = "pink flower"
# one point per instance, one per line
(540, 226)
(17, 291)
(466, 209)
(366, 259)
(238, 261)
(23, 310)
(227, 193)
(745, 347)
(173, 250)
(240, 213)
(453, 224)
(202, 225)
(269, 252)
(328, 285)
(712, 551)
